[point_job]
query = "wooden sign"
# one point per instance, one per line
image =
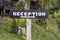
(28, 13)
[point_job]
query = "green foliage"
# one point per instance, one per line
(50, 4)
(57, 15)
(23, 38)
(57, 18)
(6, 24)
(5, 28)
(20, 5)
(50, 32)
(20, 22)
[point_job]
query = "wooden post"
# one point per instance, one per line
(28, 22)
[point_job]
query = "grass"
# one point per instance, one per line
(5, 28)
(50, 32)
(8, 36)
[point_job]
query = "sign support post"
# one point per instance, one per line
(28, 23)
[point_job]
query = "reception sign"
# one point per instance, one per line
(28, 13)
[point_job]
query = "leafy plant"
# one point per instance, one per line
(20, 5)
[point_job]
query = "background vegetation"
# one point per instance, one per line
(50, 32)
